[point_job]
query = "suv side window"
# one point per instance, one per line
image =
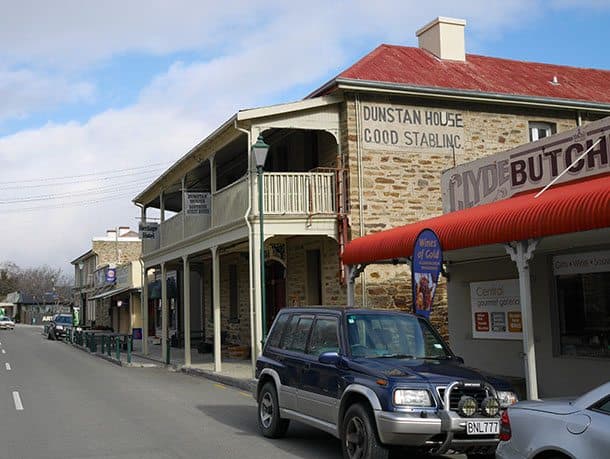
(324, 336)
(276, 332)
(297, 333)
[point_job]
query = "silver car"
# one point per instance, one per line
(6, 323)
(558, 428)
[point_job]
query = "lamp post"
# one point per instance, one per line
(260, 150)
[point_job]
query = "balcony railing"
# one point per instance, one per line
(230, 203)
(295, 193)
(285, 193)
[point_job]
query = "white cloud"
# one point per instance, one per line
(23, 92)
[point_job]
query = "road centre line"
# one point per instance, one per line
(8, 366)
(17, 400)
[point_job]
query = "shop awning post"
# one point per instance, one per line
(521, 253)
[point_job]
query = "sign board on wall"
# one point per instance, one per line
(581, 263)
(527, 167)
(148, 230)
(496, 309)
(387, 126)
(197, 203)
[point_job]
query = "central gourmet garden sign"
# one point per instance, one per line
(400, 127)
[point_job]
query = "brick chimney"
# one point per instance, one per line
(123, 230)
(444, 37)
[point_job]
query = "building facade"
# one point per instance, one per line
(363, 153)
(96, 273)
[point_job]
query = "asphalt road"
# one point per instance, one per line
(59, 402)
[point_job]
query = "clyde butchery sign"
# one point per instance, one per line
(388, 126)
(528, 167)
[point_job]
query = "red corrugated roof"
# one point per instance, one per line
(417, 67)
(569, 208)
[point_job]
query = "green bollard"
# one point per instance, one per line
(109, 345)
(103, 344)
(117, 344)
(129, 344)
(167, 353)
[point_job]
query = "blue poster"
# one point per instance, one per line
(425, 269)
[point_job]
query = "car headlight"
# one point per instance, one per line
(490, 406)
(467, 406)
(412, 397)
(507, 398)
(59, 327)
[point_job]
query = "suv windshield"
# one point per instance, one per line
(63, 320)
(393, 335)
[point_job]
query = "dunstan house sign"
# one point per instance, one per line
(400, 127)
(528, 167)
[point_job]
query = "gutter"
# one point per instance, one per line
(253, 355)
(467, 95)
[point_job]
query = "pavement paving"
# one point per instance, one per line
(59, 402)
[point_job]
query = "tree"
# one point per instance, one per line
(9, 278)
(45, 283)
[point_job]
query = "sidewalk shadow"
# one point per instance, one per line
(301, 440)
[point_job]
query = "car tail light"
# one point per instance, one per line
(505, 432)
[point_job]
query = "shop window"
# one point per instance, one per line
(584, 314)
(539, 130)
(233, 294)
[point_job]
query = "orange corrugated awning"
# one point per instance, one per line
(577, 206)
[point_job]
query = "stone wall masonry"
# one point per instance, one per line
(237, 331)
(107, 251)
(402, 186)
(333, 294)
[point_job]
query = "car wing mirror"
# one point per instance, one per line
(458, 359)
(329, 358)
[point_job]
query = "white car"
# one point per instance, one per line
(6, 323)
(576, 428)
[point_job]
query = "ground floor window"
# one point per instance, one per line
(584, 313)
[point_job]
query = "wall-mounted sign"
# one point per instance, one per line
(110, 275)
(527, 167)
(148, 230)
(402, 127)
(580, 263)
(496, 309)
(197, 203)
(425, 268)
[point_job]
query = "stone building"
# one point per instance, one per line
(92, 279)
(361, 154)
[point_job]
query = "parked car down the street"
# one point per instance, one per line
(6, 323)
(376, 379)
(59, 326)
(574, 428)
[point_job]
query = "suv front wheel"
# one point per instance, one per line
(269, 420)
(359, 435)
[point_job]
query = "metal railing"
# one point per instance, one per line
(103, 342)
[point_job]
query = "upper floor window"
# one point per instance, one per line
(540, 130)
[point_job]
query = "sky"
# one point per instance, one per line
(98, 98)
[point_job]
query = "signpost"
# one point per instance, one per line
(425, 269)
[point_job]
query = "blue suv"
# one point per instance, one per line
(375, 379)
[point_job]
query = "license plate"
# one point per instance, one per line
(482, 427)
